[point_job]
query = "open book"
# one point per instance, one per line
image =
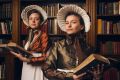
(90, 61)
(11, 46)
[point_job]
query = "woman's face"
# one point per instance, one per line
(72, 24)
(34, 20)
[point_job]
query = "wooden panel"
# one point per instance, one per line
(9, 61)
(91, 9)
(16, 21)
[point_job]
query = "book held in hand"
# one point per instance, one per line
(11, 46)
(91, 61)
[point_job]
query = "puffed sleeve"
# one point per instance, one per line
(50, 68)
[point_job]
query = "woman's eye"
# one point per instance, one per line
(74, 22)
(30, 18)
(66, 23)
(37, 18)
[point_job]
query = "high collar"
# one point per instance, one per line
(70, 39)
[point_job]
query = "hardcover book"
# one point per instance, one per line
(11, 46)
(91, 61)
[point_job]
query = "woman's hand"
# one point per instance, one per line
(22, 58)
(39, 59)
(78, 77)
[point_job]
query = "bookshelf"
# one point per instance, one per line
(17, 34)
(108, 34)
(108, 22)
(5, 36)
(9, 30)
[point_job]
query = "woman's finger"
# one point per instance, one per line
(20, 57)
(75, 77)
(82, 74)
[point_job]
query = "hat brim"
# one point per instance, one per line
(72, 8)
(29, 8)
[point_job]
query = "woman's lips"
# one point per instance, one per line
(68, 29)
(33, 24)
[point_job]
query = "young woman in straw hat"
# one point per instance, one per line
(34, 18)
(71, 51)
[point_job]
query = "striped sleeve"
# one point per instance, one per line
(42, 44)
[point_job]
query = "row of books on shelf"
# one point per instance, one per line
(2, 40)
(5, 10)
(108, 27)
(111, 8)
(6, 27)
(111, 74)
(110, 48)
(53, 27)
(51, 9)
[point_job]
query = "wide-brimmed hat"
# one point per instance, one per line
(72, 8)
(24, 14)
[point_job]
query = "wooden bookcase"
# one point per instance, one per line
(108, 34)
(108, 27)
(12, 64)
(9, 21)
(5, 36)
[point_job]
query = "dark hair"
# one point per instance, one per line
(35, 11)
(80, 19)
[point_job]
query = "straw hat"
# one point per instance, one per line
(29, 8)
(72, 8)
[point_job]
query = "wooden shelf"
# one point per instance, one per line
(5, 1)
(105, 38)
(109, 17)
(5, 19)
(6, 36)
